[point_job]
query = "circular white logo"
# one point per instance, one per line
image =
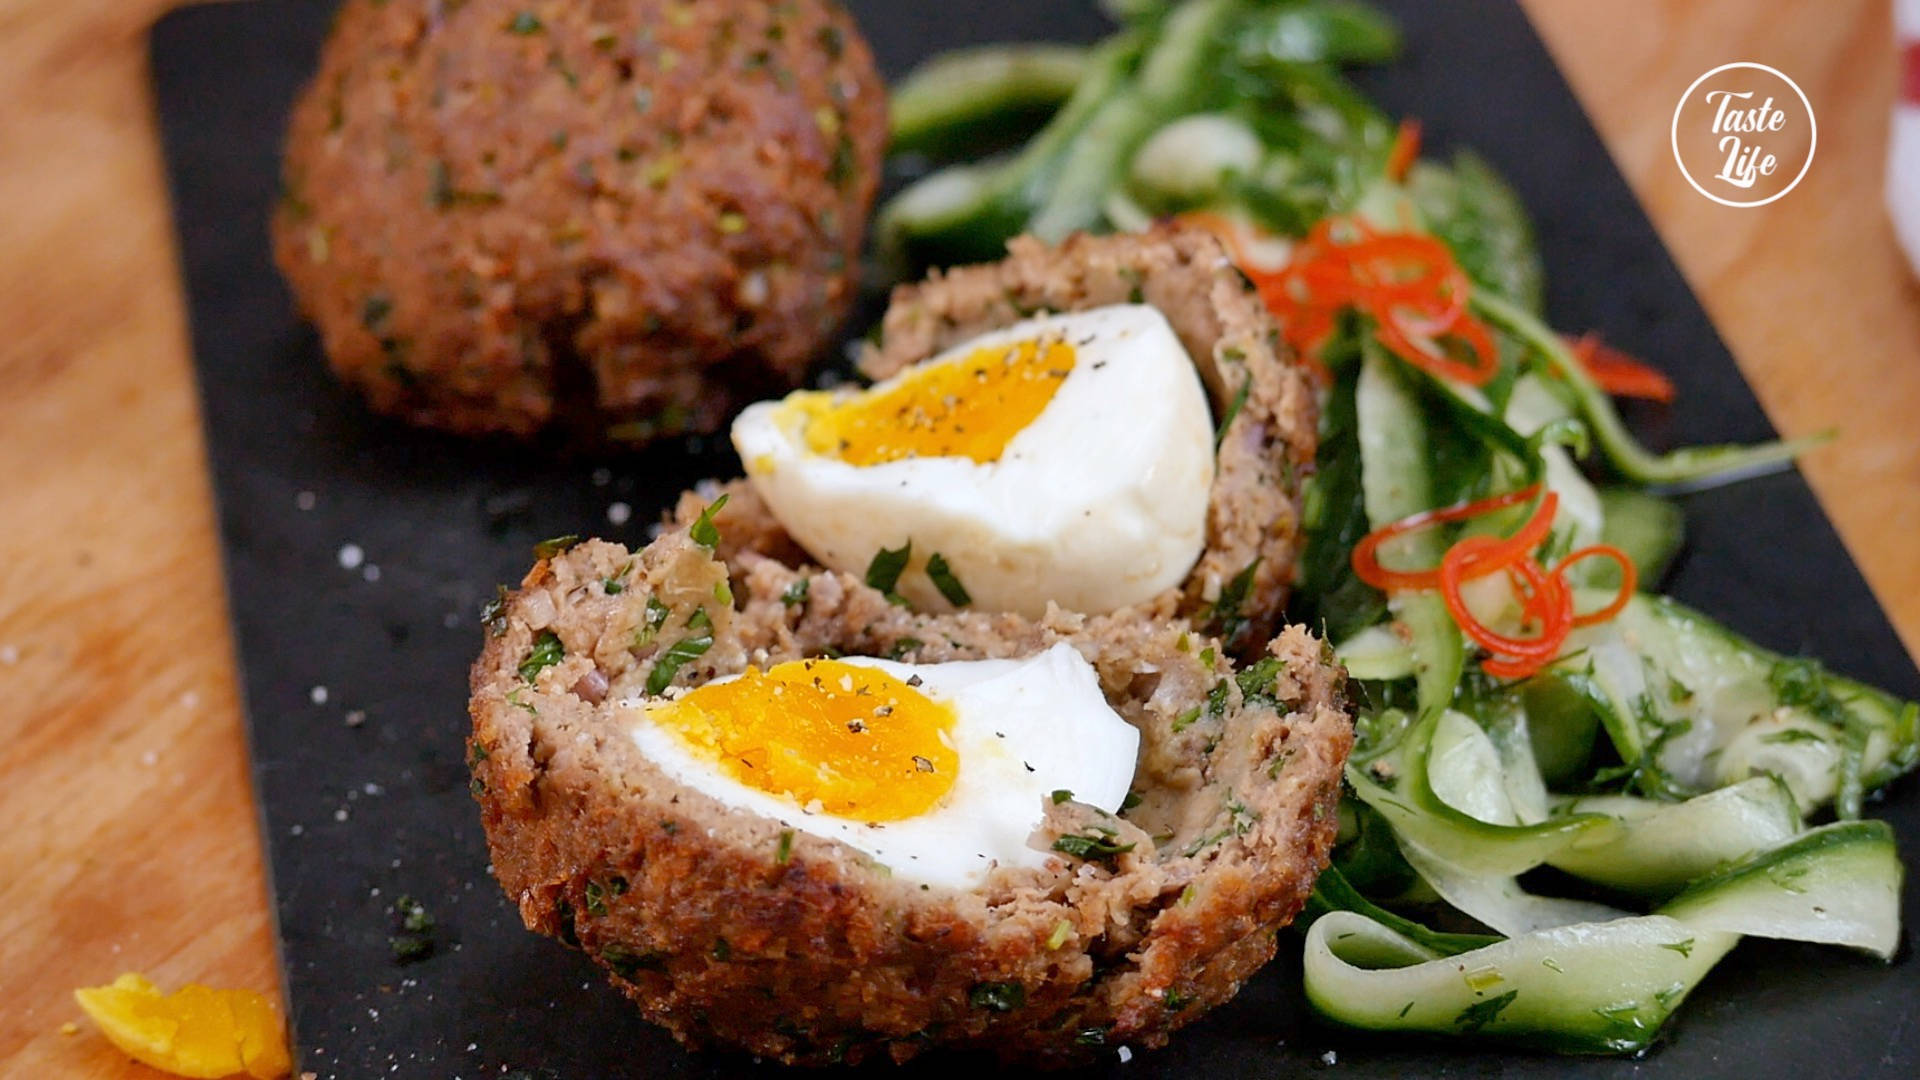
(1740, 130)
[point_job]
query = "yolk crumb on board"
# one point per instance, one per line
(971, 407)
(196, 1031)
(862, 743)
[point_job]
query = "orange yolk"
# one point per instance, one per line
(867, 746)
(969, 407)
(194, 1031)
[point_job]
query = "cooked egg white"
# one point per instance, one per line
(938, 771)
(1066, 458)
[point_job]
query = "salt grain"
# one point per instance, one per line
(9, 654)
(351, 556)
(602, 477)
(356, 717)
(753, 290)
(618, 513)
(149, 758)
(340, 814)
(371, 572)
(1329, 1058)
(1126, 1055)
(304, 500)
(318, 695)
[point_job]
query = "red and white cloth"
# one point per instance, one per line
(1903, 151)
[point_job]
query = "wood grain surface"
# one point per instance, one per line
(129, 831)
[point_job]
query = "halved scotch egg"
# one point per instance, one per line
(790, 815)
(1111, 422)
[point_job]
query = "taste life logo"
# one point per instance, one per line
(1743, 134)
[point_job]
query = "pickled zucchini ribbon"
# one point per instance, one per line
(1619, 815)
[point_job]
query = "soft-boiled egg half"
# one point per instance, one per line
(938, 771)
(1066, 458)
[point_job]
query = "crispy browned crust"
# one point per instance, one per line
(802, 950)
(625, 217)
(1268, 449)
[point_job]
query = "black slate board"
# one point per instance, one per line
(355, 816)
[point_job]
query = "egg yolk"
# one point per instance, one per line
(860, 742)
(194, 1031)
(968, 407)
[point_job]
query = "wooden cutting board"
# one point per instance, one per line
(129, 839)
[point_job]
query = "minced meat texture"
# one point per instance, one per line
(624, 218)
(827, 957)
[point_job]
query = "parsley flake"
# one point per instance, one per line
(494, 614)
(1093, 847)
(1225, 611)
(552, 546)
(657, 613)
(1233, 410)
(547, 651)
(414, 915)
(626, 963)
(1256, 682)
(414, 941)
(944, 580)
(703, 531)
(998, 996)
(883, 573)
(677, 655)
(1217, 698)
(617, 584)
(1481, 1013)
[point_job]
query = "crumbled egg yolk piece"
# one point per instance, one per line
(195, 1031)
(854, 740)
(968, 407)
